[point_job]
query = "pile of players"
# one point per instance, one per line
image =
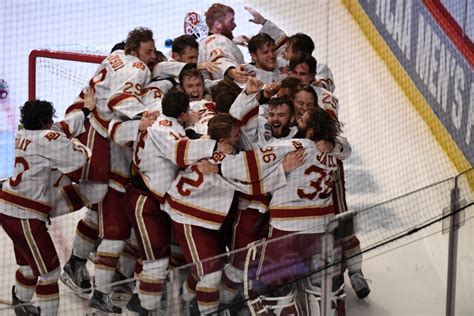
(179, 160)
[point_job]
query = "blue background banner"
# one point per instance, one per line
(440, 72)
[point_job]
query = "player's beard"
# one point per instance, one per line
(284, 130)
(229, 35)
(301, 132)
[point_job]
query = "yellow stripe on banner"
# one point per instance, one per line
(442, 136)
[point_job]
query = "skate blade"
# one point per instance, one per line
(92, 311)
(77, 291)
(117, 296)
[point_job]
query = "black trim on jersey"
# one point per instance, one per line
(170, 79)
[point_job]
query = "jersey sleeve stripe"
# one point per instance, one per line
(200, 214)
(115, 101)
(65, 128)
(74, 199)
(181, 149)
(253, 171)
(35, 206)
(250, 115)
(74, 107)
(114, 130)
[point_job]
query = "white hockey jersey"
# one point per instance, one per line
(206, 110)
(118, 83)
(162, 150)
(327, 101)
(277, 75)
(37, 154)
(305, 203)
(205, 200)
(217, 47)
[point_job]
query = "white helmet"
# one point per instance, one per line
(195, 25)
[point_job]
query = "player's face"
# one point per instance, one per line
(302, 101)
(194, 88)
(288, 53)
(265, 57)
(147, 53)
(302, 73)
(228, 25)
(303, 126)
(188, 56)
(280, 119)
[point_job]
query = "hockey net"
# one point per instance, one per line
(59, 76)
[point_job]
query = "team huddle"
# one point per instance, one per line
(178, 159)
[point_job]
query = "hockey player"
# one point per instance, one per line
(198, 203)
(192, 83)
(184, 54)
(265, 65)
(302, 66)
(25, 205)
(158, 154)
(303, 207)
(218, 46)
(118, 84)
(302, 43)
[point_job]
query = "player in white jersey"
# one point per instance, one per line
(301, 42)
(118, 83)
(191, 82)
(158, 154)
(218, 46)
(303, 206)
(265, 66)
(199, 203)
(302, 67)
(25, 206)
(185, 51)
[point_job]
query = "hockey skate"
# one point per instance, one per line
(23, 308)
(124, 290)
(76, 277)
(102, 302)
(134, 305)
(359, 284)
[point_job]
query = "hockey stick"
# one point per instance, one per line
(5, 302)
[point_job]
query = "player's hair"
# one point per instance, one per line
(290, 82)
(258, 41)
(303, 87)
(277, 101)
(160, 57)
(136, 37)
(324, 126)
(301, 42)
(224, 101)
(303, 58)
(175, 103)
(118, 46)
(217, 12)
(36, 113)
(220, 126)
(190, 73)
(225, 85)
(181, 42)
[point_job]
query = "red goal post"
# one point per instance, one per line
(59, 76)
